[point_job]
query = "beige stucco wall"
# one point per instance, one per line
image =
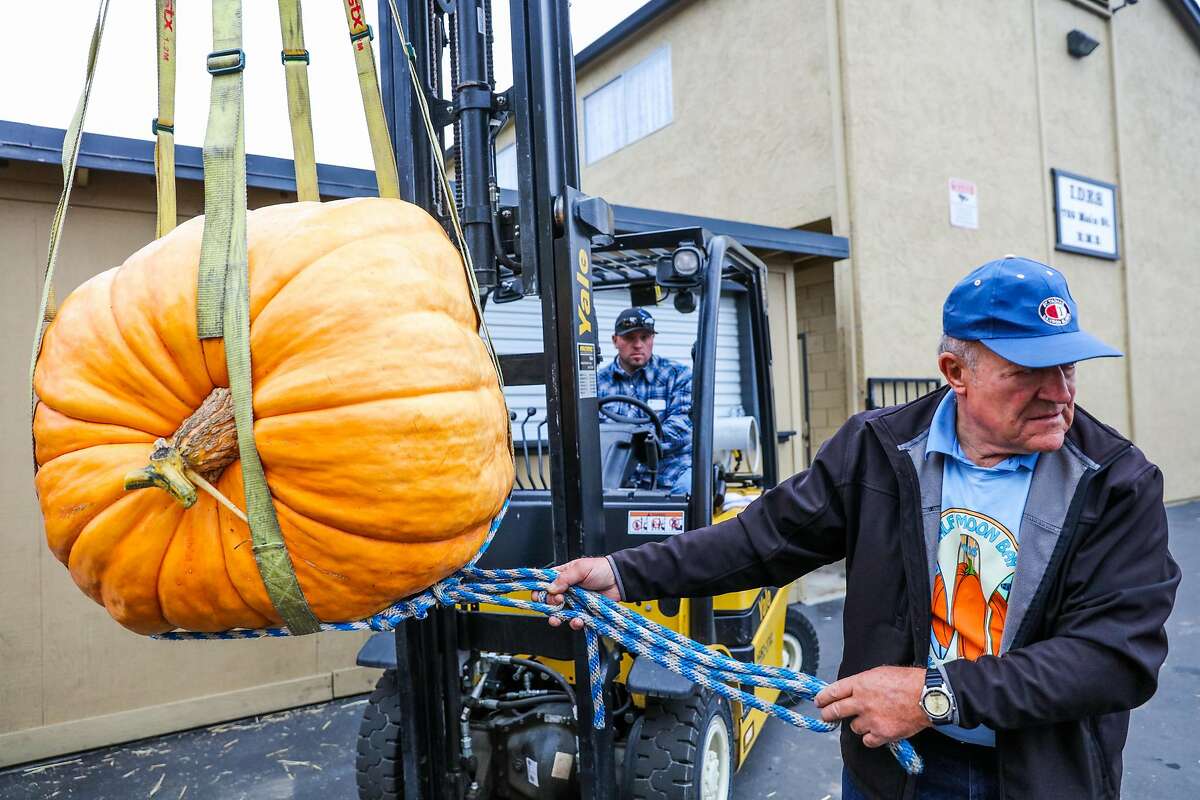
(750, 136)
(989, 93)
(1158, 97)
(70, 677)
(860, 113)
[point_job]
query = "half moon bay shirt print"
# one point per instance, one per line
(976, 552)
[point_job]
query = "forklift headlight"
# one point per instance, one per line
(682, 268)
(686, 261)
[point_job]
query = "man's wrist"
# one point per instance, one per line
(612, 564)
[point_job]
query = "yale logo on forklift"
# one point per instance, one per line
(584, 308)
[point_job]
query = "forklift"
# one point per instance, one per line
(483, 701)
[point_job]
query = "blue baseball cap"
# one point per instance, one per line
(1023, 311)
(633, 319)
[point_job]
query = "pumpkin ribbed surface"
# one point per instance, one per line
(378, 418)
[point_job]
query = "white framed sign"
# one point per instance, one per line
(1085, 215)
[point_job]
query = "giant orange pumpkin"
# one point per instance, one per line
(378, 417)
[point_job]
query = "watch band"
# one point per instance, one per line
(937, 681)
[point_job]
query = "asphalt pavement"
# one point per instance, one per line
(308, 753)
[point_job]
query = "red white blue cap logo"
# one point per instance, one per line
(1054, 311)
(1023, 311)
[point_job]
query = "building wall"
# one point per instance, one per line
(750, 137)
(860, 113)
(1157, 70)
(71, 678)
(988, 93)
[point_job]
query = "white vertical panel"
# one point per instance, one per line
(506, 168)
(648, 95)
(604, 120)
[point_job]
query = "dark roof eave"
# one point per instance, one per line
(623, 30)
(35, 143)
(22, 142)
(1188, 14)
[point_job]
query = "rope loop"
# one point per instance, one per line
(732, 679)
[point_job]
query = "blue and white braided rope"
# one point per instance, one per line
(601, 616)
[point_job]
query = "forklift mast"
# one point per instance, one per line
(557, 226)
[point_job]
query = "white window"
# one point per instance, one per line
(632, 105)
(506, 168)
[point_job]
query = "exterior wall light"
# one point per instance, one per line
(1079, 44)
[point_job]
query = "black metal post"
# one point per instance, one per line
(473, 107)
(560, 246)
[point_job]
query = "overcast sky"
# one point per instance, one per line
(43, 82)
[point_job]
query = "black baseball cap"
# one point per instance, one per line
(633, 319)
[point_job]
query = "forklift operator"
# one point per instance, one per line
(664, 385)
(1007, 570)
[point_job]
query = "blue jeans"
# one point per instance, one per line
(953, 771)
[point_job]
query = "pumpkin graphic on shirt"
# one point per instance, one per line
(997, 611)
(976, 560)
(970, 609)
(942, 630)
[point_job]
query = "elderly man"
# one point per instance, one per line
(1003, 547)
(662, 384)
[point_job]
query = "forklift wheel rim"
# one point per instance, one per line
(793, 652)
(715, 770)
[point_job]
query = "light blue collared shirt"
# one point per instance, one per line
(976, 551)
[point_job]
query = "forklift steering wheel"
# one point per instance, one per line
(633, 401)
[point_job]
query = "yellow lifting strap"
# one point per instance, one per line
(70, 157)
(361, 37)
(223, 302)
(295, 70)
(164, 124)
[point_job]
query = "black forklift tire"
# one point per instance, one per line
(379, 766)
(801, 649)
(671, 748)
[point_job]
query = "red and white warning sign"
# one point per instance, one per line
(655, 523)
(964, 204)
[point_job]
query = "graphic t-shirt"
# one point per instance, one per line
(977, 551)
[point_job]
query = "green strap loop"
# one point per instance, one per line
(223, 304)
(164, 123)
(295, 70)
(47, 307)
(368, 84)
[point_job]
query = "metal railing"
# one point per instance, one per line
(883, 392)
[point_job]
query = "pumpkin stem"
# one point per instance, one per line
(197, 453)
(166, 471)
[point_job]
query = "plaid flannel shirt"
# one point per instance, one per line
(666, 386)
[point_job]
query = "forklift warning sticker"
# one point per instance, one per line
(655, 523)
(587, 370)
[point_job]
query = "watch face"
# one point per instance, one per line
(936, 704)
